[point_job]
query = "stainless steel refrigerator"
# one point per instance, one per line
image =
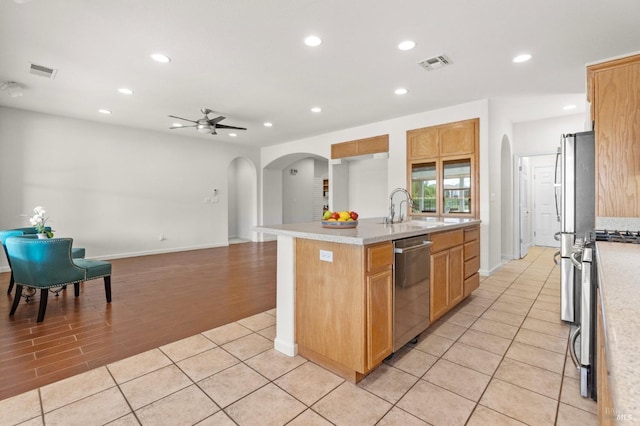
(575, 168)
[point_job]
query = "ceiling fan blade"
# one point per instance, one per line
(224, 126)
(181, 127)
(180, 118)
(215, 121)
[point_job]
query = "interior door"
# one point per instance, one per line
(544, 218)
(525, 210)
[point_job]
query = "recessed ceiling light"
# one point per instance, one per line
(233, 135)
(522, 58)
(312, 41)
(125, 91)
(569, 107)
(268, 124)
(159, 57)
(401, 91)
(104, 111)
(316, 109)
(176, 124)
(407, 45)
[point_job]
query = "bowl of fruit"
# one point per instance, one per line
(342, 220)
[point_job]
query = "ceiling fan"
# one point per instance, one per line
(206, 124)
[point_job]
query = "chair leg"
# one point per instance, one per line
(107, 287)
(16, 299)
(44, 293)
(76, 289)
(11, 281)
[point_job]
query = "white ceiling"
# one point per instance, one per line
(247, 60)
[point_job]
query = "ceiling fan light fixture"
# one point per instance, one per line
(205, 128)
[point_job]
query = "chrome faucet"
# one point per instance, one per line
(392, 208)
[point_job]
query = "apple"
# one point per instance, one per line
(353, 215)
(335, 215)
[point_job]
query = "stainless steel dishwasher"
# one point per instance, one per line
(411, 289)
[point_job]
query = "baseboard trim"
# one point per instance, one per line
(159, 251)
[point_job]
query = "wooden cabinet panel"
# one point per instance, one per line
(379, 256)
(422, 143)
(439, 285)
(379, 317)
(457, 138)
(330, 317)
(456, 280)
(371, 145)
(616, 98)
(471, 284)
(471, 249)
(605, 403)
(345, 149)
(471, 266)
(445, 240)
(471, 234)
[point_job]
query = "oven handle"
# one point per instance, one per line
(572, 347)
(424, 244)
(577, 263)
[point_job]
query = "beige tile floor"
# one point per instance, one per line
(499, 358)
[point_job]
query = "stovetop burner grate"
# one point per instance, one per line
(632, 237)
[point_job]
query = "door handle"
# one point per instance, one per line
(424, 244)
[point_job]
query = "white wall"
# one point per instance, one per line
(297, 194)
(396, 173)
(543, 136)
(114, 189)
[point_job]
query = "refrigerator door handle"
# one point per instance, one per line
(572, 347)
(557, 185)
(556, 258)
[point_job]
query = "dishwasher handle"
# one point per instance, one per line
(424, 244)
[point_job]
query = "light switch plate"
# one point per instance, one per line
(326, 256)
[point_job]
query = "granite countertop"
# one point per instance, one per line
(368, 231)
(619, 281)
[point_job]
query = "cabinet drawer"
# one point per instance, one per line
(379, 256)
(445, 240)
(471, 266)
(471, 284)
(471, 234)
(471, 249)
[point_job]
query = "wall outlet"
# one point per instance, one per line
(326, 256)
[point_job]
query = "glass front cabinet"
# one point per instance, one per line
(442, 169)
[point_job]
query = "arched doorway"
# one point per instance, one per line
(242, 200)
(292, 188)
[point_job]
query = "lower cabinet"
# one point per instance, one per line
(446, 283)
(344, 307)
(605, 404)
(455, 260)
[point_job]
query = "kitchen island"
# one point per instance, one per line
(335, 286)
(618, 333)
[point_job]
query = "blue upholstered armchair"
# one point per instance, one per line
(76, 252)
(47, 263)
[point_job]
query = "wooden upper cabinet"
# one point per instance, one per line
(457, 138)
(422, 143)
(372, 145)
(443, 170)
(614, 92)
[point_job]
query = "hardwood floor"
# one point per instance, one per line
(156, 300)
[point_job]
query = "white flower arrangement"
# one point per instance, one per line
(39, 221)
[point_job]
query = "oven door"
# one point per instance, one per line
(582, 346)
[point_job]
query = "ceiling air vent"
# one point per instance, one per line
(42, 71)
(434, 63)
